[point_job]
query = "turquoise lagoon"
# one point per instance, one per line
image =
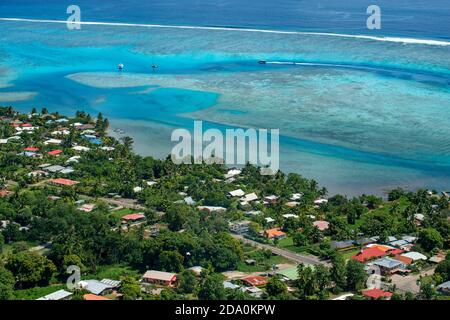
(359, 115)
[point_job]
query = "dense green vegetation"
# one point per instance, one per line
(40, 213)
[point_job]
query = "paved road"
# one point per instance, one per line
(296, 257)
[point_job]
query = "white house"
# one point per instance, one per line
(236, 193)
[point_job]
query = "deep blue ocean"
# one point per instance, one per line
(361, 111)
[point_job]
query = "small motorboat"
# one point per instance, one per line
(154, 66)
(262, 61)
(120, 66)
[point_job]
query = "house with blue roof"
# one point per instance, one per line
(388, 265)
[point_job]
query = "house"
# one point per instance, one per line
(73, 159)
(369, 254)
(405, 260)
(291, 204)
(269, 220)
(290, 215)
(240, 227)
(133, 217)
(364, 241)
(321, 225)
(444, 288)
(81, 148)
(249, 197)
(53, 141)
(160, 278)
(253, 291)
(113, 283)
(94, 297)
(253, 213)
(54, 169)
(255, 281)
(320, 201)
(30, 154)
(197, 270)
(80, 126)
(211, 209)
(398, 243)
(189, 201)
(376, 294)
(96, 287)
(31, 149)
(232, 172)
(57, 295)
(67, 170)
(137, 189)
(37, 173)
(92, 139)
(55, 152)
(236, 193)
(342, 245)
(410, 239)
(419, 218)
(414, 256)
(250, 262)
(274, 233)
(381, 247)
(272, 199)
(63, 182)
(388, 265)
(60, 133)
(87, 207)
(5, 193)
(230, 285)
(438, 257)
(296, 196)
(107, 148)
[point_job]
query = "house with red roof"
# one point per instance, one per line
(274, 233)
(376, 294)
(321, 225)
(255, 281)
(63, 182)
(133, 217)
(55, 152)
(94, 297)
(369, 254)
(31, 149)
(5, 193)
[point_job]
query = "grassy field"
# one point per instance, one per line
(121, 212)
(288, 244)
(112, 272)
(348, 254)
(35, 293)
(263, 263)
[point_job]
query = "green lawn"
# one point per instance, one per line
(288, 244)
(35, 293)
(262, 262)
(113, 272)
(121, 212)
(348, 254)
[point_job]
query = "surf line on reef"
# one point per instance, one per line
(237, 29)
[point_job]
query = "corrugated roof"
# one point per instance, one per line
(159, 275)
(57, 295)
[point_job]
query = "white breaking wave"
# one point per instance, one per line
(140, 25)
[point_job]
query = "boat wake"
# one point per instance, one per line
(326, 34)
